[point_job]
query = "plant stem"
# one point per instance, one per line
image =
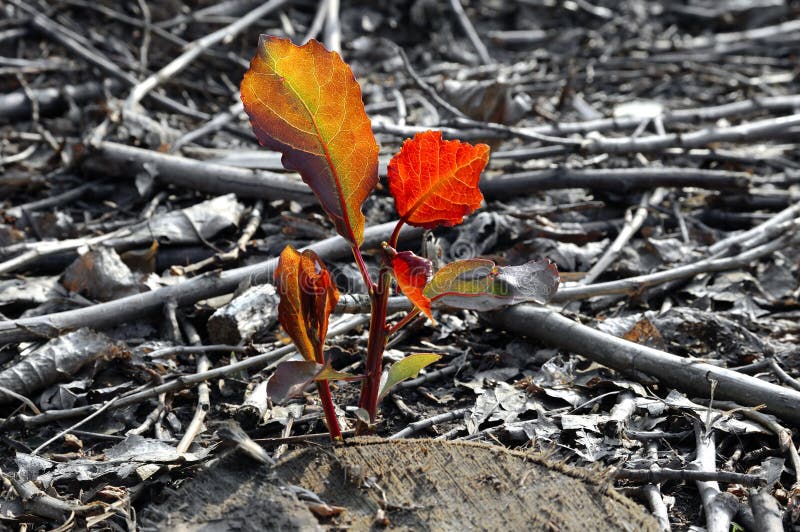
(408, 318)
(362, 266)
(395, 234)
(324, 389)
(375, 345)
(378, 331)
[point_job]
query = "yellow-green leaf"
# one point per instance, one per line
(405, 369)
(479, 284)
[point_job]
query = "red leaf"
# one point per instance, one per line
(304, 102)
(308, 296)
(435, 182)
(413, 273)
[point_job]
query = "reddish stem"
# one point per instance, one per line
(362, 266)
(378, 331)
(324, 389)
(376, 345)
(408, 318)
(396, 234)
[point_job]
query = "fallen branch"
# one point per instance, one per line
(766, 511)
(232, 255)
(203, 391)
(632, 224)
(615, 179)
(782, 223)
(111, 158)
(719, 506)
(54, 30)
(637, 284)
(45, 248)
(684, 475)
(783, 376)
(470, 134)
(747, 36)
(67, 430)
(683, 374)
(783, 434)
(694, 114)
(748, 131)
(422, 84)
(472, 34)
(302, 438)
(176, 350)
(317, 22)
(193, 51)
(652, 493)
(51, 100)
(113, 313)
(44, 505)
(255, 363)
(215, 124)
(424, 424)
(18, 211)
(765, 129)
(332, 36)
(786, 215)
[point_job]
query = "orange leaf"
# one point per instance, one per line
(413, 273)
(304, 102)
(435, 182)
(308, 296)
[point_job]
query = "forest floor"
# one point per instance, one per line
(650, 149)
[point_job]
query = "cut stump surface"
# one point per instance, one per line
(419, 485)
(436, 485)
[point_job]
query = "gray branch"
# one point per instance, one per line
(686, 375)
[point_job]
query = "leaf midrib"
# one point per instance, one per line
(326, 152)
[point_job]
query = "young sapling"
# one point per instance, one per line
(304, 102)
